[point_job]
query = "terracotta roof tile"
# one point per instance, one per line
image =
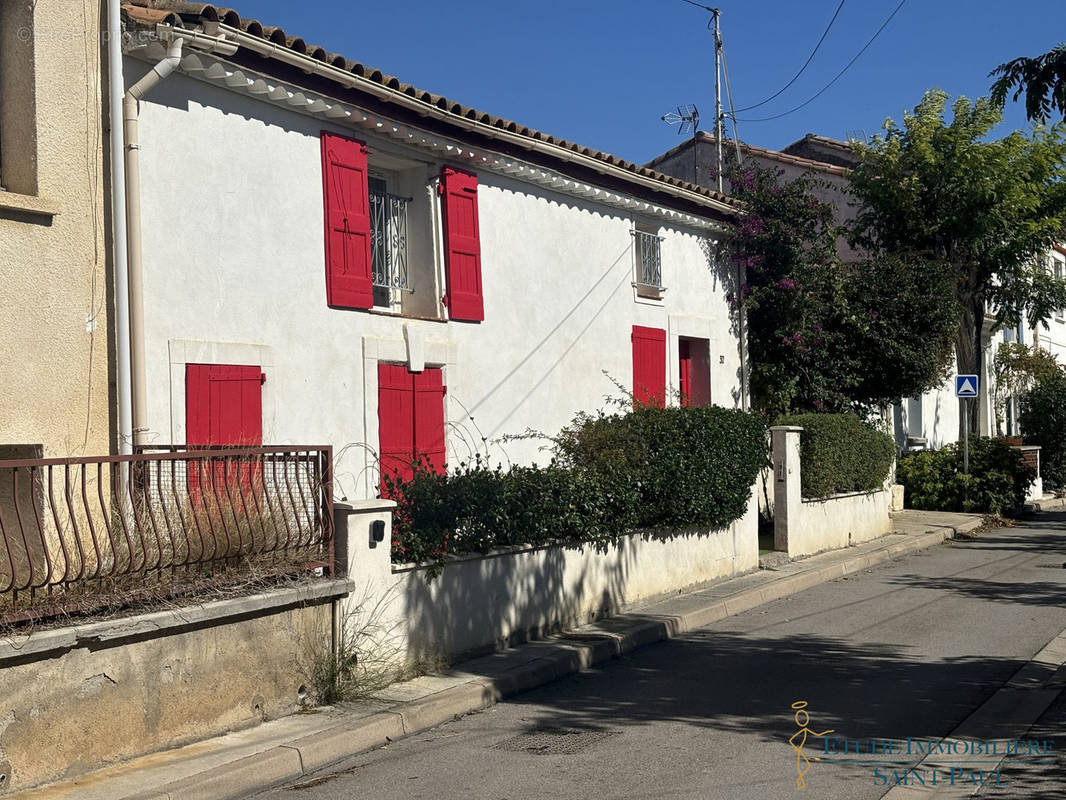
(179, 12)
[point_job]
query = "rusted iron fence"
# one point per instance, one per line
(81, 533)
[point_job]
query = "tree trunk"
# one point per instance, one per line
(969, 352)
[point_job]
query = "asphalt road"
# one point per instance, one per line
(907, 650)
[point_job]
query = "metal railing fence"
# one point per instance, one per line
(78, 533)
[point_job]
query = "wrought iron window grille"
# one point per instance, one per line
(649, 262)
(388, 240)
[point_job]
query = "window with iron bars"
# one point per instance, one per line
(649, 263)
(388, 242)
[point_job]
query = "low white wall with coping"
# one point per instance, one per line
(805, 526)
(484, 602)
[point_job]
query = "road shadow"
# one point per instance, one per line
(746, 684)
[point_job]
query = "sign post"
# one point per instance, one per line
(965, 389)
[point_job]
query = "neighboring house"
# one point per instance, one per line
(1053, 339)
(53, 243)
(334, 256)
(931, 420)
(831, 178)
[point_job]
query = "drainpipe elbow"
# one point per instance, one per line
(159, 72)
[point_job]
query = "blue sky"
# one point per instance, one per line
(602, 72)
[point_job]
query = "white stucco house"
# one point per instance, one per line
(333, 256)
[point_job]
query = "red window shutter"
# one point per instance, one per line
(223, 404)
(410, 420)
(649, 366)
(462, 251)
(349, 278)
(685, 371)
(396, 416)
(429, 418)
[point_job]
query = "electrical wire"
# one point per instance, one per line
(700, 5)
(729, 94)
(836, 77)
(805, 63)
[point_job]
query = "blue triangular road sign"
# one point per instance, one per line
(966, 386)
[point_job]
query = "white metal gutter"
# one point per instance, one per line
(133, 231)
(115, 87)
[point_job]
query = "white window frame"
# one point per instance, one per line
(417, 352)
(189, 351)
(390, 291)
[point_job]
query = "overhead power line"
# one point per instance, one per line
(805, 63)
(837, 76)
(700, 5)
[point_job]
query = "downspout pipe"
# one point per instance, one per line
(116, 84)
(130, 112)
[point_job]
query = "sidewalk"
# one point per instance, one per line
(240, 763)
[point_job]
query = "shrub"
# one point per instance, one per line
(997, 482)
(1043, 420)
(677, 466)
(841, 453)
(661, 468)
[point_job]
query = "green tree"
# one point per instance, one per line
(1015, 368)
(1042, 79)
(824, 335)
(1043, 418)
(986, 209)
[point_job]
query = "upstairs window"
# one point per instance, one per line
(388, 242)
(647, 262)
(381, 251)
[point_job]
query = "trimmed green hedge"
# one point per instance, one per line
(661, 468)
(997, 482)
(841, 453)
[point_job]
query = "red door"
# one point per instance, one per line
(694, 371)
(410, 420)
(684, 370)
(223, 406)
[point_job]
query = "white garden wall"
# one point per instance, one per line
(481, 603)
(804, 526)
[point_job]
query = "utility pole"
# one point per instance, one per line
(718, 95)
(742, 315)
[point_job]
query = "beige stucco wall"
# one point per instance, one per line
(65, 712)
(53, 288)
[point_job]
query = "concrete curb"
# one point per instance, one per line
(560, 656)
(1049, 504)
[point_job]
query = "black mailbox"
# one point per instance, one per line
(377, 532)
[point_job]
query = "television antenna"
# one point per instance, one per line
(686, 118)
